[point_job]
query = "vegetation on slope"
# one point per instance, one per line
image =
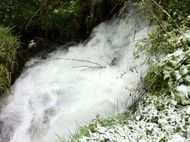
(163, 114)
(9, 46)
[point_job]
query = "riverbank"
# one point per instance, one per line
(163, 113)
(159, 116)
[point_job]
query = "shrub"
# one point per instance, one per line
(165, 74)
(168, 14)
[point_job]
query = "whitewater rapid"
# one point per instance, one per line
(71, 87)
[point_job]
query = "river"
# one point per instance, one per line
(53, 96)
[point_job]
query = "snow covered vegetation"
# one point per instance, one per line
(163, 115)
(159, 117)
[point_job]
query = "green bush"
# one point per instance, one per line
(61, 18)
(165, 74)
(158, 46)
(66, 18)
(171, 35)
(41, 15)
(9, 46)
(168, 14)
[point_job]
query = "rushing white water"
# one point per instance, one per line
(69, 88)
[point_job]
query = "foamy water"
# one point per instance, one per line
(69, 88)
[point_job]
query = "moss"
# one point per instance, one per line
(9, 46)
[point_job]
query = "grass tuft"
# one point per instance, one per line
(9, 46)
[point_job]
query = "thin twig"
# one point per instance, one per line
(162, 9)
(137, 100)
(125, 44)
(86, 69)
(33, 16)
(84, 66)
(119, 2)
(80, 60)
(98, 67)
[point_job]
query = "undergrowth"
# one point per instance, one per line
(172, 34)
(61, 18)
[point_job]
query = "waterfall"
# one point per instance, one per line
(53, 96)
